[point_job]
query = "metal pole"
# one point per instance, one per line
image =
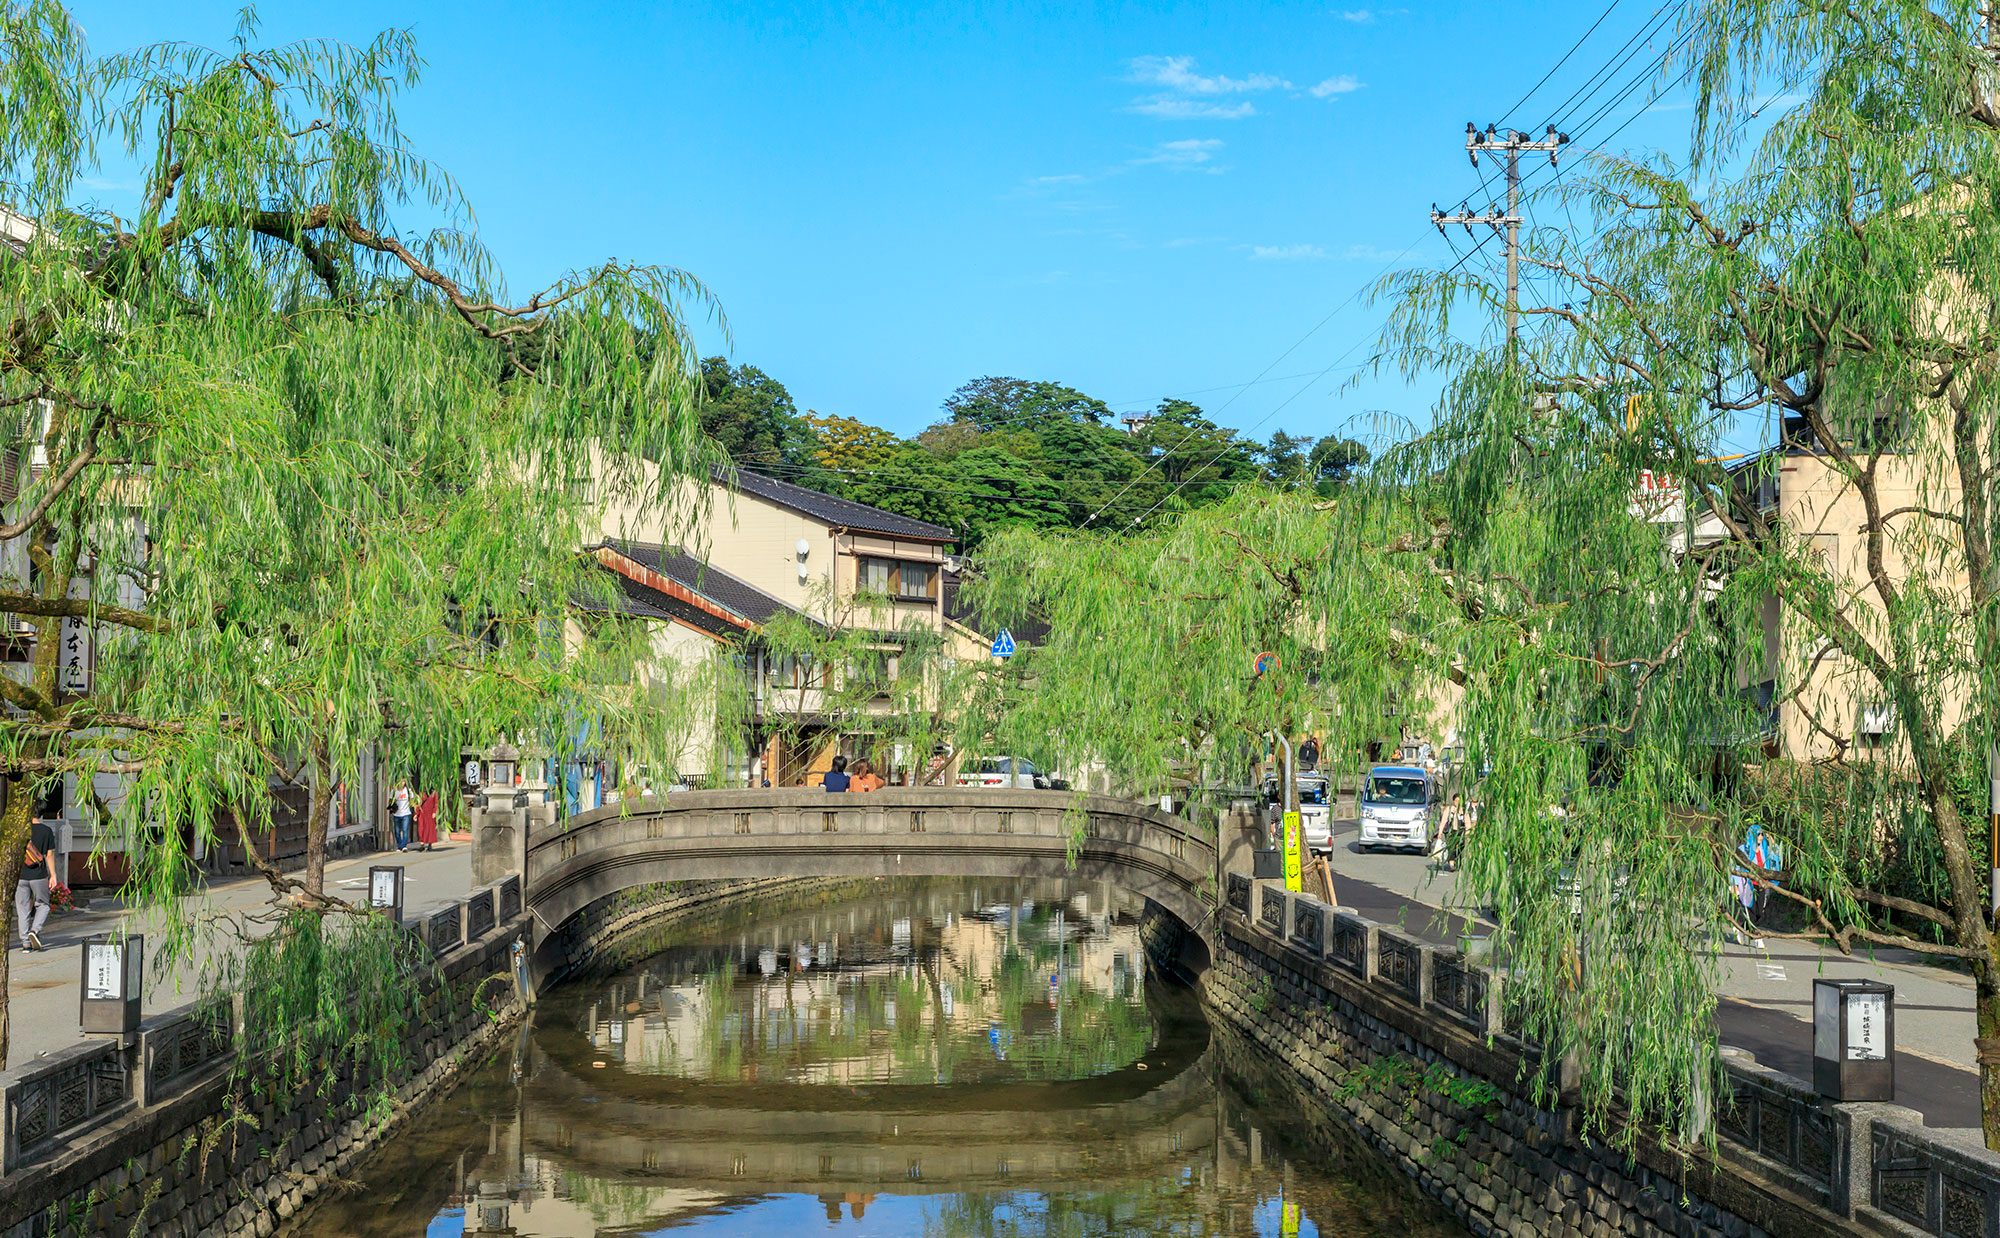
(1510, 145)
(1513, 244)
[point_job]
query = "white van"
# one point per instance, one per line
(1315, 809)
(1399, 809)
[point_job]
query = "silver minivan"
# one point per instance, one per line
(1315, 809)
(1399, 809)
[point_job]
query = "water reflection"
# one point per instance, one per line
(733, 1083)
(956, 984)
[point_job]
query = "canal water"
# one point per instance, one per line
(947, 1058)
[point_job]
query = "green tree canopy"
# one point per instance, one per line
(751, 417)
(1837, 284)
(311, 480)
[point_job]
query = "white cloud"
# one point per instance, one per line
(1166, 107)
(1185, 155)
(1336, 86)
(1364, 252)
(1363, 17)
(1176, 73)
(1288, 253)
(1061, 178)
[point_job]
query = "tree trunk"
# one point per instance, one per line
(318, 799)
(1986, 1010)
(14, 824)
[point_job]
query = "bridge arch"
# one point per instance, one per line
(895, 832)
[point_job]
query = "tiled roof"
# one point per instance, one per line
(645, 602)
(841, 513)
(738, 597)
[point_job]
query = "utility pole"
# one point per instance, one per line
(1508, 146)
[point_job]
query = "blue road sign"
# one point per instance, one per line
(1003, 644)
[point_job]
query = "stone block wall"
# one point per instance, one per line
(220, 1158)
(1450, 1107)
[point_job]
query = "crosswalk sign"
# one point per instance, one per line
(1003, 644)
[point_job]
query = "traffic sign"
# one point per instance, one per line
(1294, 853)
(1264, 662)
(1003, 644)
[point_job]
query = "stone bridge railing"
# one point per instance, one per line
(897, 832)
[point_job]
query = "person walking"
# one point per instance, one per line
(427, 821)
(31, 892)
(836, 779)
(400, 809)
(1452, 829)
(865, 778)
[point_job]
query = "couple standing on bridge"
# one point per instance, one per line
(838, 780)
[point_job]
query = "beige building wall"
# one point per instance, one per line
(758, 541)
(1835, 698)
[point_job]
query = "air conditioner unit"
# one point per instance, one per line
(1878, 719)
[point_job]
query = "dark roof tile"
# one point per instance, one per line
(738, 597)
(841, 513)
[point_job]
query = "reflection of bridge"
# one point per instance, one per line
(899, 832)
(1141, 1122)
(670, 1145)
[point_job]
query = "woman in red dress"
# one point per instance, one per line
(427, 821)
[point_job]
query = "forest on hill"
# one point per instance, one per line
(1012, 452)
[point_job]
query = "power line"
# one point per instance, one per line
(1590, 87)
(1591, 122)
(1331, 314)
(1553, 69)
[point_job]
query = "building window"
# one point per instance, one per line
(907, 581)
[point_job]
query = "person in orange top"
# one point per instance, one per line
(865, 778)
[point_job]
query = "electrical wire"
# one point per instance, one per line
(1576, 99)
(1594, 119)
(1555, 68)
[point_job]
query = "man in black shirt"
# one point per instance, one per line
(31, 893)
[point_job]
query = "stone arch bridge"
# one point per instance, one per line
(895, 832)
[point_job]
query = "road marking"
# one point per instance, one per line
(1767, 970)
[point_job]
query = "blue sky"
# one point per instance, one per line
(1138, 200)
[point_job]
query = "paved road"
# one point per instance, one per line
(1766, 992)
(43, 988)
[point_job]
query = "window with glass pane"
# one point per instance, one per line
(875, 575)
(916, 582)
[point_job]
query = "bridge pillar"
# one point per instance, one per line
(500, 835)
(1239, 837)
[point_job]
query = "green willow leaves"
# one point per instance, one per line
(309, 477)
(1718, 538)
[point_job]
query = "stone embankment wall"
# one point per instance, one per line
(1402, 1044)
(1443, 1107)
(165, 1139)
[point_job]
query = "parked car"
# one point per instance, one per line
(1399, 809)
(1315, 809)
(1017, 772)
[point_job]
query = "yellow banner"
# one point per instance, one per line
(1295, 845)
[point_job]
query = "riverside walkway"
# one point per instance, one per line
(43, 988)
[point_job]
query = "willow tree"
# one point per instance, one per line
(1149, 669)
(860, 664)
(1805, 638)
(295, 476)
